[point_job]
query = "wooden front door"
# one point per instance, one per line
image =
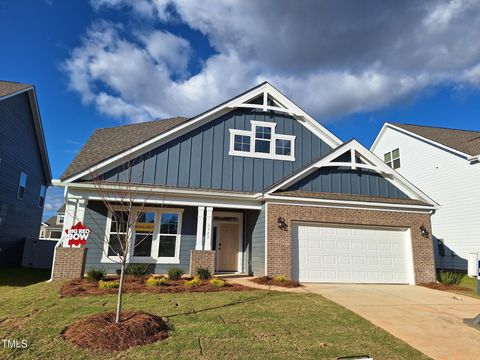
(228, 235)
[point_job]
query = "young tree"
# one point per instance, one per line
(127, 208)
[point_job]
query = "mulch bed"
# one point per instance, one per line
(266, 280)
(101, 332)
(444, 287)
(133, 284)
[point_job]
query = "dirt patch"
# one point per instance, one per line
(266, 280)
(444, 287)
(101, 332)
(132, 284)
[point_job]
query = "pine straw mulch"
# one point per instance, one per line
(266, 280)
(444, 287)
(134, 284)
(100, 331)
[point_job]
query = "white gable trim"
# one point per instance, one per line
(372, 162)
(266, 89)
(416, 136)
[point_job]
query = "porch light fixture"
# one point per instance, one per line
(282, 224)
(424, 231)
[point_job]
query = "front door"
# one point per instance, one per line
(227, 239)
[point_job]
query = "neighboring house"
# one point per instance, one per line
(24, 170)
(445, 164)
(52, 228)
(255, 186)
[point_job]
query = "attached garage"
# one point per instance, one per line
(351, 254)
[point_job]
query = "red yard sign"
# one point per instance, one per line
(77, 235)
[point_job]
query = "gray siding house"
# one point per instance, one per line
(24, 170)
(255, 186)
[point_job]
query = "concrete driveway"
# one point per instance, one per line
(429, 320)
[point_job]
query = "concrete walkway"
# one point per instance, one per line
(429, 320)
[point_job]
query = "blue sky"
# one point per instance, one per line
(109, 62)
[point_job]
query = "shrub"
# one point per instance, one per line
(154, 281)
(108, 284)
(450, 277)
(95, 274)
(216, 282)
(136, 269)
(203, 274)
(193, 282)
(280, 278)
(175, 273)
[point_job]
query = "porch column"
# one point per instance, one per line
(198, 244)
(208, 229)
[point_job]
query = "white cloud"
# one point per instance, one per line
(331, 58)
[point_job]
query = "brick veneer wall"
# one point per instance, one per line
(202, 259)
(69, 263)
(279, 250)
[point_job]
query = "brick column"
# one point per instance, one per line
(202, 259)
(69, 263)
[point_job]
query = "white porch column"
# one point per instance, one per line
(69, 218)
(199, 243)
(208, 229)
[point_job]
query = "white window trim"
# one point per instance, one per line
(59, 216)
(155, 241)
(20, 185)
(251, 133)
(392, 158)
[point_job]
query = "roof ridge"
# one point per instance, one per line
(15, 82)
(433, 127)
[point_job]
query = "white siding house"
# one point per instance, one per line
(444, 164)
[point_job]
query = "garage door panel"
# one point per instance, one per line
(342, 254)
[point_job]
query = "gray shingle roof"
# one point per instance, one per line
(466, 141)
(108, 142)
(9, 87)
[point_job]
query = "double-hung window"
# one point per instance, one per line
(261, 141)
(22, 185)
(117, 236)
(154, 236)
(41, 195)
(392, 158)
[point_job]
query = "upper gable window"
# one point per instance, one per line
(262, 142)
(392, 158)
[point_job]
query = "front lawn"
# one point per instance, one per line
(233, 325)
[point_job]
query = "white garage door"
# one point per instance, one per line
(326, 253)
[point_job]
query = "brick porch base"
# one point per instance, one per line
(69, 263)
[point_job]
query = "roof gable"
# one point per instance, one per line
(462, 142)
(271, 100)
(352, 156)
(9, 88)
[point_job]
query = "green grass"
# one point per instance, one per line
(471, 284)
(225, 325)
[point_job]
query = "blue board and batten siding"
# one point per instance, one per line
(256, 226)
(200, 159)
(19, 151)
(348, 181)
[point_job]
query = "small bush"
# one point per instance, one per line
(450, 277)
(154, 281)
(193, 282)
(216, 282)
(136, 269)
(108, 284)
(280, 278)
(175, 273)
(203, 274)
(95, 274)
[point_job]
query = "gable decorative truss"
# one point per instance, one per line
(272, 100)
(354, 155)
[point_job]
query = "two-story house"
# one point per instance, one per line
(53, 226)
(254, 185)
(24, 170)
(445, 164)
